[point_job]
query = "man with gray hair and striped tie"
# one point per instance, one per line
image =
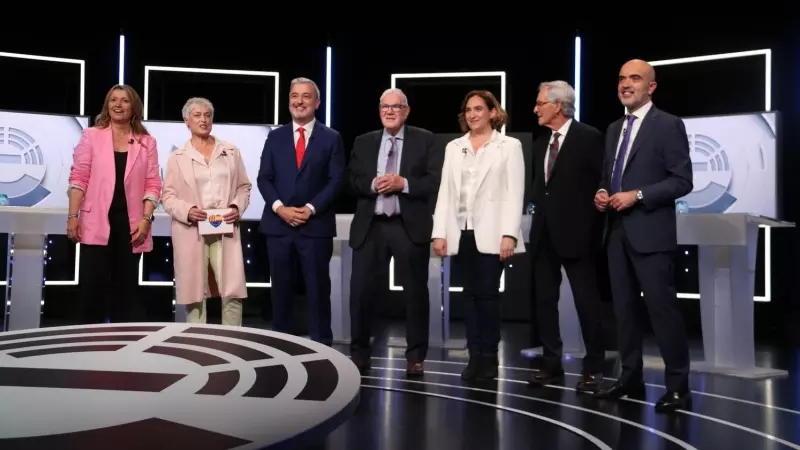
(394, 173)
(566, 231)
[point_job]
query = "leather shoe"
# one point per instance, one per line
(673, 400)
(589, 383)
(363, 363)
(619, 390)
(415, 369)
(543, 377)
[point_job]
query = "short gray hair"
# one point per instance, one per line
(193, 103)
(303, 80)
(561, 91)
(395, 91)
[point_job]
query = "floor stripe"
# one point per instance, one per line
(597, 442)
(706, 394)
(683, 444)
(642, 402)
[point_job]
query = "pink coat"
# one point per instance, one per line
(93, 171)
(179, 195)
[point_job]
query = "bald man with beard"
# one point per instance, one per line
(647, 167)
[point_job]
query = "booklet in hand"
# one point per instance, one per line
(214, 223)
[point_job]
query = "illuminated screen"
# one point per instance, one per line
(36, 155)
(734, 164)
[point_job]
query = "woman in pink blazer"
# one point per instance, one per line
(206, 173)
(114, 187)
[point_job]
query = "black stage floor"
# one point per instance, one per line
(440, 411)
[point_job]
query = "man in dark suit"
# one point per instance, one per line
(301, 174)
(647, 167)
(395, 173)
(566, 231)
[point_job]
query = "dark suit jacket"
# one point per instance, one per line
(421, 165)
(565, 205)
(660, 166)
(318, 181)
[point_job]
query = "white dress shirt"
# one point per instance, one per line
(562, 135)
(307, 130)
(637, 124)
(469, 178)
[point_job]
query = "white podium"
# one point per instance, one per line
(727, 247)
(28, 229)
(569, 325)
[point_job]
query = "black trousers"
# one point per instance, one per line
(481, 273)
(582, 275)
(387, 237)
(633, 272)
(109, 278)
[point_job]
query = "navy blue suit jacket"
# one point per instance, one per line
(660, 166)
(317, 181)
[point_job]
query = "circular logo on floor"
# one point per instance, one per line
(205, 386)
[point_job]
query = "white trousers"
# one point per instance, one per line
(231, 307)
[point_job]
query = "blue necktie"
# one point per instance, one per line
(616, 176)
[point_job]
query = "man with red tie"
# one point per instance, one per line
(301, 174)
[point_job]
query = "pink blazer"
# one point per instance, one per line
(180, 194)
(93, 172)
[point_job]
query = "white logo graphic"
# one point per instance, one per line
(22, 168)
(204, 386)
(712, 176)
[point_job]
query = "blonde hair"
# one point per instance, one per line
(500, 118)
(103, 120)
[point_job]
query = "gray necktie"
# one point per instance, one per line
(389, 201)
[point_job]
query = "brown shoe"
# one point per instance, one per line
(543, 377)
(415, 369)
(589, 383)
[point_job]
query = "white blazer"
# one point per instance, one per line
(498, 206)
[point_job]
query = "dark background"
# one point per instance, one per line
(362, 65)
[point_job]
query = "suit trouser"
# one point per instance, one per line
(387, 237)
(633, 272)
(582, 274)
(481, 273)
(231, 307)
(315, 255)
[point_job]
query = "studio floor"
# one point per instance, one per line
(439, 411)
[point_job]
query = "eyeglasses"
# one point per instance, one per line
(394, 108)
(541, 104)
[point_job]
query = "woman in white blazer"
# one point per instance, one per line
(478, 217)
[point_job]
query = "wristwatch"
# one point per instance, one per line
(639, 196)
(148, 217)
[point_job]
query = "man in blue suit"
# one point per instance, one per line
(647, 167)
(301, 174)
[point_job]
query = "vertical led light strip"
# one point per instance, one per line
(577, 76)
(329, 59)
(121, 59)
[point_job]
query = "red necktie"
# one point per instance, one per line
(300, 148)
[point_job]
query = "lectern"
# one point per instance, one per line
(727, 247)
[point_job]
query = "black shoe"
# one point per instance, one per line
(473, 366)
(363, 363)
(619, 390)
(543, 377)
(673, 400)
(488, 368)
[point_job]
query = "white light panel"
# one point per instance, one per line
(82, 64)
(502, 76)
(121, 59)
(767, 54)
(577, 76)
(328, 86)
(252, 73)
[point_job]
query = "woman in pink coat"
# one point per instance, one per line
(203, 174)
(114, 188)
